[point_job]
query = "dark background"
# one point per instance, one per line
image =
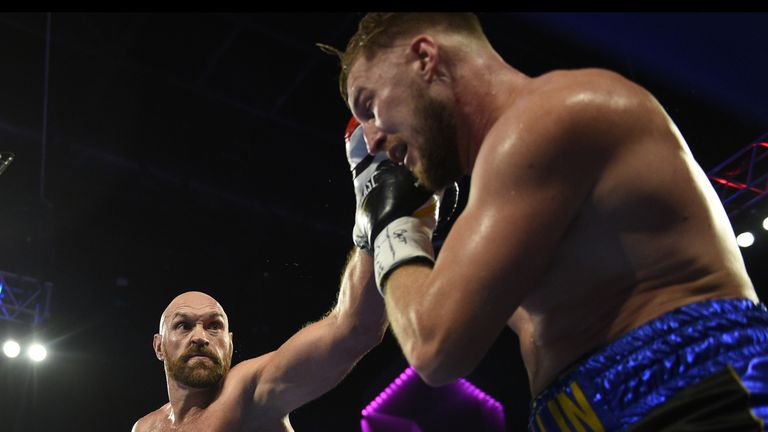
(204, 151)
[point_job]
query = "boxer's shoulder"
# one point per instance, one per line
(157, 420)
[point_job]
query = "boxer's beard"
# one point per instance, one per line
(439, 153)
(199, 373)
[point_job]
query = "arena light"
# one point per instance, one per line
(5, 159)
(745, 239)
(37, 352)
(765, 224)
(11, 348)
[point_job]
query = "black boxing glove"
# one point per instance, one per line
(362, 165)
(449, 201)
(398, 217)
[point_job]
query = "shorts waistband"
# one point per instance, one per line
(623, 381)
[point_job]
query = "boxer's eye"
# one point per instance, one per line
(362, 106)
(367, 111)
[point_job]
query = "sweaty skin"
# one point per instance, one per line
(258, 394)
(587, 214)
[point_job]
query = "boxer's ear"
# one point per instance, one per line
(426, 51)
(157, 344)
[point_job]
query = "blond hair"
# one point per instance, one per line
(379, 30)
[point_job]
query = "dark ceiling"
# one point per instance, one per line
(204, 151)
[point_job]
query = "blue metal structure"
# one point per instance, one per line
(24, 299)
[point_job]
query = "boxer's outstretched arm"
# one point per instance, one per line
(534, 171)
(317, 357)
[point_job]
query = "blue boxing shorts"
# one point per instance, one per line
(701, 367)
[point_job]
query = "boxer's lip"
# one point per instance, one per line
(198, 356)
(398, 152)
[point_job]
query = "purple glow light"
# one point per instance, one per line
(407, 404)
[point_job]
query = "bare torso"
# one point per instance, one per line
(650, 236)
(232, 410)
(159, 421)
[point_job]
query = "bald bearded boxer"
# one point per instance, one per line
(590, 230)
(195, 344)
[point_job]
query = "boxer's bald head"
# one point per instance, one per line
(194, 341)
(191, 300)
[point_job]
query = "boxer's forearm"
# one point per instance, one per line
(425, 328)
(317, 357)
(360, 309)
(410, 319)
